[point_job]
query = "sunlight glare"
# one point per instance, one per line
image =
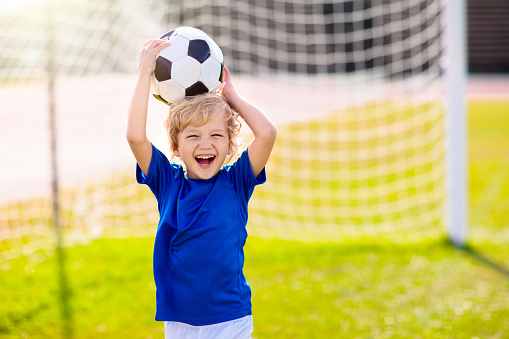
(18, 6)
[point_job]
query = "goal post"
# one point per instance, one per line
(456, 129)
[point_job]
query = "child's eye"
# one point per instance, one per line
(217, 135)
(192, 136)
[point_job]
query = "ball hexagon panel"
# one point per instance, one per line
(210, 69)
(215, 88)
(186, 71)
(178, 48)
(172, 91)
(199, 49)
(191, 33)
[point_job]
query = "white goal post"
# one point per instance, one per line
(456, 131)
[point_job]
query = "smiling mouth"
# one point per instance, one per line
(205, 160)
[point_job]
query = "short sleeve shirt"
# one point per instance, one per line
(198, 251)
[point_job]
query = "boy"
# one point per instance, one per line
(198, 251)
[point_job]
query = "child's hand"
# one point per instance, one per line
(148, 54)
(263, 130)
(226, 88)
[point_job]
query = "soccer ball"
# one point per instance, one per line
(191, 65)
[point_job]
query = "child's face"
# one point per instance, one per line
(204, 149)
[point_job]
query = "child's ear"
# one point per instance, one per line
(176, 152)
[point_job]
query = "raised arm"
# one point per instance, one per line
(136, 132)
(263, 129)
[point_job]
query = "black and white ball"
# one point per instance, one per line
(191, 65)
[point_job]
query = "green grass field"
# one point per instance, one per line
(300, 290)
(366, 288)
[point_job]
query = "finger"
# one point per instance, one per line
(151, 47)
(152, 43)
(163, 45)
(227, 77)
(227, 73)
(220, 90)
(146, 43)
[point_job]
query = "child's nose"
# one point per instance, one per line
(205, 143)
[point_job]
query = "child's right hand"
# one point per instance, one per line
(148, 54)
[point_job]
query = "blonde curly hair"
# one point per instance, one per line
(196, 111)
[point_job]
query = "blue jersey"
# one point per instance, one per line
(198, 249)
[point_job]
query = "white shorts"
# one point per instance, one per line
(234, 329)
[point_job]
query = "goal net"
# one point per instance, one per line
(355, 88)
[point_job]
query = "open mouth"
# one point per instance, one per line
(205, 160)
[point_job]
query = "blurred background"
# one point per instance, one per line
(348, 237)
